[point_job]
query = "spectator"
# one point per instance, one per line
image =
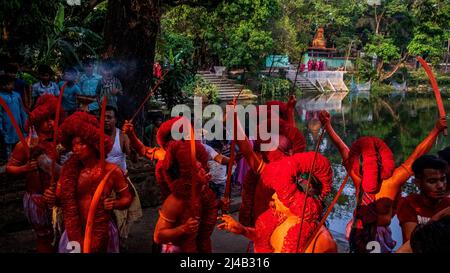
(20, 86)
(45, 85)
(71, 90)
(88, 84)
(432, 237)
(14, 102)
(151, 131)
(416, 209)
(217, 164)
(445, 155)
(109, 86)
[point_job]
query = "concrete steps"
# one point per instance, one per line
(302, 82)
(228, 89)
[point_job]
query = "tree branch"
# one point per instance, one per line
(396, 67)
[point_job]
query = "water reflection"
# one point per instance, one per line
(401, 121)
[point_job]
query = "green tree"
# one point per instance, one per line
(242, 37)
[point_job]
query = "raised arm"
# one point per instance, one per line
(426, 144)
(135, 143)
(390, 188)
(245, 147)
(325, 119)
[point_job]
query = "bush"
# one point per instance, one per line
(275, 88)
(171, 88)
(201, 88)
(380, 89)
(420, 77)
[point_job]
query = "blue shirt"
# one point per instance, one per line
(39, 89)
(7, 130)
(69, 99)
(19, 87)
(88, 84)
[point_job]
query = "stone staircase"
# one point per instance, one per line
(302, 82)
(228, 89)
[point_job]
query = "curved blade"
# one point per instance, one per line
(91, 213)
(435, 87)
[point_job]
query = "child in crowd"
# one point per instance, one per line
(8, 133)
(20, 86)
(45, 85)
(71, 90)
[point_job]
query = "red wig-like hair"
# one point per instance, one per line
(164, 136)
(85, 126)
(280, 176)
(293, 134)
(44, 109)
(177, 166)
(377, 162)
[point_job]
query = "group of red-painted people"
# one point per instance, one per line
(79, 197)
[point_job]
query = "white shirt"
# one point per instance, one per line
(218, 171)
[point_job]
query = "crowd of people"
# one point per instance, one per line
(76, 198)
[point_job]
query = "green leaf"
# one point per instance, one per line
(58, 24)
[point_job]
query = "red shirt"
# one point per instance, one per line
(413, 209)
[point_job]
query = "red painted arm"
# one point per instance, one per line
(325, 119)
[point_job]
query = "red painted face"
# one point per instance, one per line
(46, 127)
(433, 183)
(81, 149)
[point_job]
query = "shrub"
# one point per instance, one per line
(201, 88)
(275, 88)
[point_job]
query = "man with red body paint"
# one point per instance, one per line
(36, 166)
(80, 176)
(374, 215)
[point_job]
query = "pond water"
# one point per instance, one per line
(401, 120)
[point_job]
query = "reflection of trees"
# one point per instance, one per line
(346, 201)
(389, 119)
(392, 121)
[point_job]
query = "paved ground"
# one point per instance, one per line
(140, 240)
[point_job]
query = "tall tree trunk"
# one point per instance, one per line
(130, 33)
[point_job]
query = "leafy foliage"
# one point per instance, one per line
(171, 89)
(200, 88)
(275, 87)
